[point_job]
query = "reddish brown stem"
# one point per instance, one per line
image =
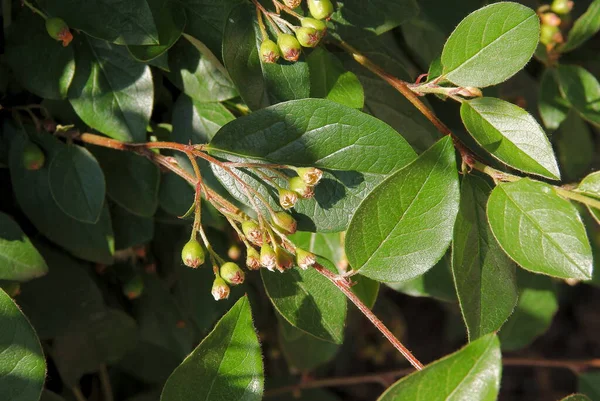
(341, 283)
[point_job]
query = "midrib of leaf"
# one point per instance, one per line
(81, 182)
(481, 357)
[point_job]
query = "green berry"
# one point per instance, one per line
(320, 9)
(232, 274)
(285, 222)
(308, 37)
(58, 29)
(561, 6)
(267, 256)
(287, 198)
(547, 34)
(33, 157)
(192, 254)
(301, 188)
(269, 51)
(314, 23)
(252, 259)
(304, 259)
(252, 231)
(220, 289)
(283, 259)
(289, 46)
(134, 287)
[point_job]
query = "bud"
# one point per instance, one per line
(548, 34)
(305, 259)
(252, 231)
(292, 3)
(289, 46)
(134, 287)
(310, 175)
(320, 9)
(319, 25)
(284, 222)
(252, 259)
(192, 254)
(33, 157)
(283, 259)
(269, 51)
(232, 274)
(550, 19)
(267, 257)
(301, 188)
(308, 37)
(58, 29)
(469, 91)
(562, 6)
(220, 289)
(287, 198)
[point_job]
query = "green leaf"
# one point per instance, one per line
(22, 366)
(425, 40)
(19, 260)
(102, 338)
(170, 20)
(582, 90)
(575, 147)
(327, 245)
(329, 80)
(365, 289)
(132, 181)
(50, 396)
(539, 230)
(377, 16)
(41, 64)
(553, 107)
(534, 312)
(77, 183)
(320, 133)
(119, 21)
(589, 384)
(111, 92)
(130, 230)
(196, 121)
(198, 74)
(32, 189)
(405, 225)
(308, 301)
(491, 45)
(484, 276)
(590, 185)
(473, 373)
(510, 134)
(176, 195)
(576, 397)
(226, 365)
(584, 28)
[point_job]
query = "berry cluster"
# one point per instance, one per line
(553, 17)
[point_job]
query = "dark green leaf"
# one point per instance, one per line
(227, 365)
(426, 41)
(19, 260)
(473, 373)
(308, 301)
(575, 147)
(589, 384)
(405, 225)
(584, 28)
(22, 365)
(539, 230)
(130, 230)
(40, 63)
(77, 183)
(436, 283)
(111, 92)
(50, 396)
(176, 195)
(196, 121)
(484, 276)
(582, 90)
(576, 397)
(510, 134)
(365, 289)
(377, 16)
(552, 105)
(491, 44)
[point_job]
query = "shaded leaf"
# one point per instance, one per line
(553, 107)
(19, 260)
(584, 28)
(377, 16)
(575, 147)
(576, 397)
(589, 384)
(130, 229)
(582, 90)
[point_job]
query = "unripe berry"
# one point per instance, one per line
(134, 287)
(562, 6)
(192, 254)
(548, 34)
(252, 231)
(305, 259)
(320, 9)
(292, 3)
(310, 175)
(287, 198)
(232, 274)
(33, 157)
(308, 37)
(319, 25)
(58, 29)
(234, 252)
(267, 257)
(301, 188)
(220, 289)
(269, 51)
(252, 259)
(289, 46)
(285, 222)
(283, 259)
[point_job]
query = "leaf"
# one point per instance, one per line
(365, 289)
(41, 64)
(196, 121)
(327, 245)
(491, 45)
(22, 366)
(472, 373)
(405, 225)
(130, 230)
(176, 195)
(50, 396)
(111, 92)
(32, 189)
(132, 181)
(308, 301)
(198, 75)
(533, 315)
(582, 90)
(484, 276)
(510, 134)
(425, 40)
(170, 20)
(575, 147)
(377, 16)
(584, 28)
(576, 397)
(226, 365)
(329, 80)
(553, 107)
(590, 185)
(19, 260)
(77, 183)
(320, 133)
(539, 230)
(119, 21)
(589, 384)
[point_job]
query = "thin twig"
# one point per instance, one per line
(105, 382)
(77, 393)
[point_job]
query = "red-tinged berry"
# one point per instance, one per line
(252, 259)
(267, 257)
(33, 157)
(287, 198)
(289, 46)
(134, 287)
(58, 29)
(192, 254)
(320, 9)
(283, 259)
(269, 51)
(285, 222)
(305, 259)
(301, 188)
(220, 289)
(232, 274)
(308, 37)
(548, 34)
(319, 25)
(234, 252)
(252, 231)
(310, 175)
